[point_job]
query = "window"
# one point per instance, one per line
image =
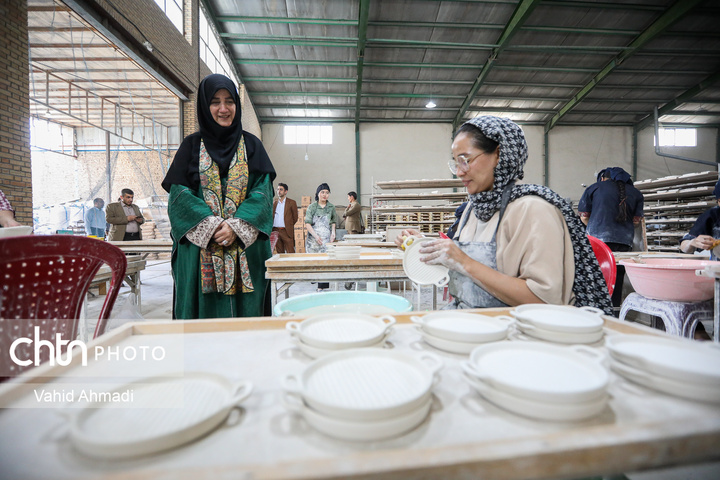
(174, 11)
(210, 51)
(308, 134)
(678, 137)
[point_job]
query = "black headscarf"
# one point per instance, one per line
(220, 142)
(320, 188)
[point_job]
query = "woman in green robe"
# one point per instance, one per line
(220, 209)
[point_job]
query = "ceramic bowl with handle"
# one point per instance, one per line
(464, 327)
(335, 331)
(540, 371)
(365, 383)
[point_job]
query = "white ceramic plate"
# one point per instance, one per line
(341, 330)
(420, 272)
(451, 346)
(561, 318)
(677, 358)
(360, 431)
(365, 383)
(559, 337)
(15, 231)
(464, 327)
(536, 409)
(690, 390)
(315, 352)
(540, 371)
(196, 402)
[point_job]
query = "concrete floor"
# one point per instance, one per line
(157, 284)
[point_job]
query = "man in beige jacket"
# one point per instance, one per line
(125, 218)
(353, 215)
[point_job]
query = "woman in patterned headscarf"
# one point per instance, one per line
(220, 209)
(517, 243)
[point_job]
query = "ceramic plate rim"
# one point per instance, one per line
(499, 383)
(439, 272)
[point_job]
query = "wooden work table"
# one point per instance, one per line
(465, 437)
(144, 247)
(284, 269)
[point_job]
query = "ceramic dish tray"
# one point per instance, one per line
(677, 358)
(341, 330)
(420, 272)
(560, 318)
(461, 348)
(671, 386)
(536, 409)
(201, 402)
(539, 371)
(365, 384)
(360, 431)
(464, 327)
(315, 352)
(557, 336)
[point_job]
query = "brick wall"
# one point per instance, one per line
(15, 174)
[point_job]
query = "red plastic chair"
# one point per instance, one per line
(606, 259)
(43, 282)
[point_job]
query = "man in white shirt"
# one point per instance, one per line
(95, 219)
(285, 215)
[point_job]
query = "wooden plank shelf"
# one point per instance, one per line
(670, 221)
(424, 183)
(699, 206)
(673, 180)
(680, 193)
(410, 208)
(457, 196)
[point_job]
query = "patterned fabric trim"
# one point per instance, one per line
(245, 232)
(202, 234)
(218, 263)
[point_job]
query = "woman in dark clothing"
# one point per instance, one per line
(610, 208)
(220, 209)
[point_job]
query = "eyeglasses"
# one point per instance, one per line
(462, 163)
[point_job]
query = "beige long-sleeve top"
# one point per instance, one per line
(533, 243)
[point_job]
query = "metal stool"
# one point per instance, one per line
(679, 318)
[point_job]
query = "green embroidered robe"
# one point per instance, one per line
(186, 209)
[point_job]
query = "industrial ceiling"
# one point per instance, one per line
(538, 62)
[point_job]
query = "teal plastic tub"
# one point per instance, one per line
(371, 303)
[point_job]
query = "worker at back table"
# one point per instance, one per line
(706, 231)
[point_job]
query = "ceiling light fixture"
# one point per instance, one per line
(430, 104)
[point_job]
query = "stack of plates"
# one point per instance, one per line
(560, 323)
(323, 334)
(460, 332)
(343, 252)
(418, 271)
(363, 395)
(676, 366)
(537, 380)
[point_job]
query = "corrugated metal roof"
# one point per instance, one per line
(540, 62)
